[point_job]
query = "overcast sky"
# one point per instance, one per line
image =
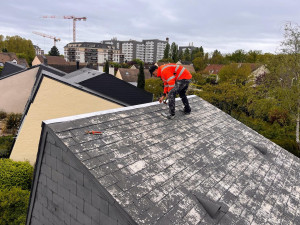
(213, 24)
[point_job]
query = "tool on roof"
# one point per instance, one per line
(93, 132)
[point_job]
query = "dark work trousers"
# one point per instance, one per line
(180, 88)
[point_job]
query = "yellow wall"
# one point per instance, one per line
(36, 61)
(53, 100)
(118, 75)
(15, 91)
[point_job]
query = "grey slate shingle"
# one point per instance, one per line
(153, 166)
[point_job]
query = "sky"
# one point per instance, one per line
(213, 24)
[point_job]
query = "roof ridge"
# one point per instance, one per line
(85, 115)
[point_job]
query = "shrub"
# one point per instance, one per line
(12, 122)
(15, 174)
(13, 206)
(2, 115)
(5, 146)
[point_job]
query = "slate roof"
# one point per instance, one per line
(10, 68)
(109, 85)
(203, 168)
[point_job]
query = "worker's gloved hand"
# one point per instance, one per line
(161, 99)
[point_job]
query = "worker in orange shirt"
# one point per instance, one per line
(176, 81)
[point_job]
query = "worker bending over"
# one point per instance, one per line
(176, 81)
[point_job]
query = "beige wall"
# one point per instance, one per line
(15, 91)
(36, 61)
(118, 75)
(53, 100)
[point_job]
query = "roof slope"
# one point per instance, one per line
(131, 75)
(118, 89)
(204, 168)
(10, 68)
(82, 74)
(55, 60)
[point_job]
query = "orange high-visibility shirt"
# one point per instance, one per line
(170, 73)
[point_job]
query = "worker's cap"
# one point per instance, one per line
(152, 69)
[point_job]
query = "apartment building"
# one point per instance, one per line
(92, 52)
(190, 47)
(154, 50)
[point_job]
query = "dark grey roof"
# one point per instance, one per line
(118, 89)
(10, 68)
(202, 168)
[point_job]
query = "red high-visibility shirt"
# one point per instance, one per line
(169, 73)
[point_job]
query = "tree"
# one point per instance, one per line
(217, 58)
(253, 56)
(239, 56)
(235, 73)
(106, 67)
(174, 52)
(54, 51)
(167, 51)
(154, 86)
(186, 55)
(291, 48)
(199, 64)
(141, 77)
(18, 45)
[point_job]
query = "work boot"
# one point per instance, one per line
(170, 117)
(185, 112)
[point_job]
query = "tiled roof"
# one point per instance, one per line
(202, 168)
(131, 75)
(55, 60)
(213, 68)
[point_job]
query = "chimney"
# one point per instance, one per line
(77, 65)
(45, 60)
(167, 39)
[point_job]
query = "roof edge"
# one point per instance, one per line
(85, 115)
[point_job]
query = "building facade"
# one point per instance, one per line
(92, 52)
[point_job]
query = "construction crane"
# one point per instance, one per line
(68, 17)
(47, 36)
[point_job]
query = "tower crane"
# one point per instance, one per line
(68, 17)
(47, 36)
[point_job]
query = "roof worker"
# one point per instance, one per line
(176, 81)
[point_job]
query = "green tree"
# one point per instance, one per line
(235, 73)
(17, 45)
(239, 56)
(141, 77)
(106, 67)
(154, 86)
(199, 64)
(186, 55)
(253, 56)
(54, 51)
(167, 51)
(217, 58)
(174, 52)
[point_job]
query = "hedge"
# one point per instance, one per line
(13, 206)
(5, 146)
(15, 174)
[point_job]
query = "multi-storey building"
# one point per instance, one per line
(190, 48)
(154, 50)
(92, 52)
(38, 50)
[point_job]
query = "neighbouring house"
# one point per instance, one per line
(16, 88)
(10, 68)
(49, 60)
(60, 63)
(257, 72)
(11, 57)
(212, 69)
(54, 96)
(131, 75)
(202, 168)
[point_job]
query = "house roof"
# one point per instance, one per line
(202, 168)
(131, 75)
(10, 68)
(10, 56)
(118, 89)
(55, 60)
(215, 68)
(82, 74)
